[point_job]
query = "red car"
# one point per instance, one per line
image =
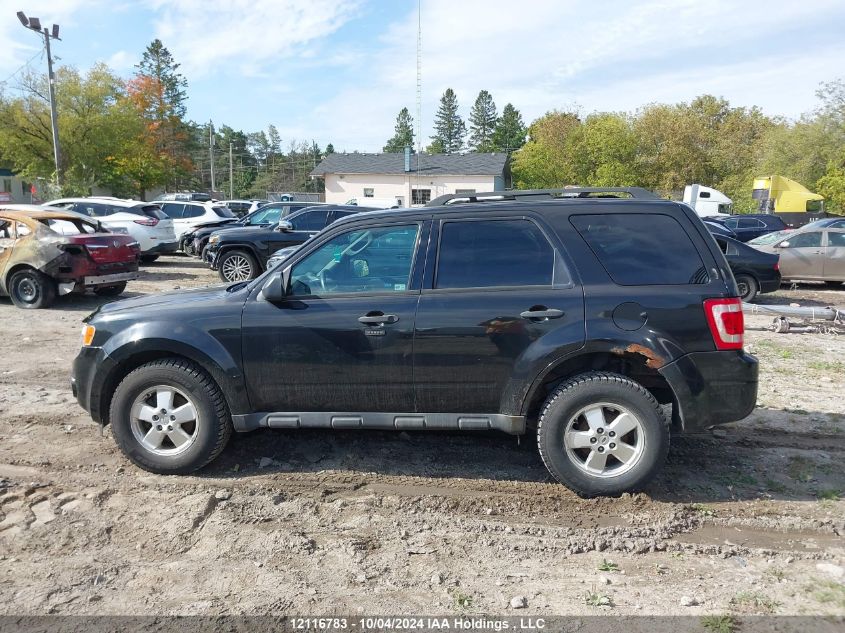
(48, 253)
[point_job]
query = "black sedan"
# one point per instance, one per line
(754, 271)
(750, 225)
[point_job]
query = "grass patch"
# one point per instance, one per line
(775, 486)
(597, 599)
(703, 509)
(829, 592)
(823, 365)
(754, 601)
(777, 573)
(461, 601)
(736, 479)
(719, 623)
(800, 469)
(827, 495)
(607, 565)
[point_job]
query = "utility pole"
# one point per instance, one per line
(231, 178)
(34, 24)
(211, 153)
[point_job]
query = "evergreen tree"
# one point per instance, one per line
(449, 128)
(158, 64)
(510, 131)
(329, 149)
(482, 123)
(403, 133)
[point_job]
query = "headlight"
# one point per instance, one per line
(88, 332)
(214, 239)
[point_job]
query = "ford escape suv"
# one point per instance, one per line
(574, 313)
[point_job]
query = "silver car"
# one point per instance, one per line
(811, 253)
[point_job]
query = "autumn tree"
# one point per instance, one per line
(403, 133)
(482, 123)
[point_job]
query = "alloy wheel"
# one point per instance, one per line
(604, 440)
(164, 420)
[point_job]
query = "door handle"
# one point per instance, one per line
(542, 315)
(377, 318)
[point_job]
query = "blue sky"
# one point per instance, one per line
(339, 70)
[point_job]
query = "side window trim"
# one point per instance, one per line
(437, 236)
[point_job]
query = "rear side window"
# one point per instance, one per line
(639, 249)
(309, 220)
(223, 212)
(488, 253)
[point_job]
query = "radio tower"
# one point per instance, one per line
(419, 90)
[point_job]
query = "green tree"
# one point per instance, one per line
(449, 127)
(510, 131)
(544, 161)
(329, 149)
(171, 96)
(482, 123)
(403, 133)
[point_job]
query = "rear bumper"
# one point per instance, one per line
(164, 248)
(712, 388)
(104, 280)
(770, 285)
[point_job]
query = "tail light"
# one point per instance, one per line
(146, 221)
(727, 325)
(777, 265)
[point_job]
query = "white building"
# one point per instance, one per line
(413, 181)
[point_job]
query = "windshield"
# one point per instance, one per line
(769, 238)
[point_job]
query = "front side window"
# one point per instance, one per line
(806, 240)
(420, 196)
(642, 249)
(750, 223)
(173, 209)
(489, 253)
(360, 261)
(732, 223)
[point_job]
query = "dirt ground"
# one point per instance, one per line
(745, 520)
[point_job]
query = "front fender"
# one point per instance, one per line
(218, 355)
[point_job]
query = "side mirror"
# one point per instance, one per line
(284, 226)
(784, 244)
(275, 288)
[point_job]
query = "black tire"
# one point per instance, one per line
(237, 260)
(591, 389)
(748, 287)
(110, 291)
(149, 259)
(213, 427)
(31, 290)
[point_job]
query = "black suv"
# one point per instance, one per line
(241, 253)
(574, 316)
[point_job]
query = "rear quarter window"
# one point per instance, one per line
(642, 249)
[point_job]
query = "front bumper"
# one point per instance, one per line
(211, 257)
(89, 368)
(711, 388)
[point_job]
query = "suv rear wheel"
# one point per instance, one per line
(170, 417)
(31, 290)
(237, 266)
(602, 434)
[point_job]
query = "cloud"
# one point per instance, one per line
(613, 55)
(121, 61)
(215, 37)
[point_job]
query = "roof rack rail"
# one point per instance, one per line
(523, 195)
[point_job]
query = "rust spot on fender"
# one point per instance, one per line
(653, 360)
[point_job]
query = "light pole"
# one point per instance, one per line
(34, 24)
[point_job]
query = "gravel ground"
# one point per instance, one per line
(744, 520)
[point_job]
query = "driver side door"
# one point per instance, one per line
(341, 340)
(804, 257)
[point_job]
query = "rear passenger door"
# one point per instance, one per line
(498, 298)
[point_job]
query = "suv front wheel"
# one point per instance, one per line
(237, 266)
(170, 417)
(601, 433)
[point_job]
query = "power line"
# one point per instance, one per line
(40, 54)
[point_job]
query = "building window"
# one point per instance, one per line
(420, 196)
(369, 192)
(464, 191)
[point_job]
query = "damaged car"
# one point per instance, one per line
(44, 254)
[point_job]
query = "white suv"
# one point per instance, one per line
(153, 230)
(189, 214)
